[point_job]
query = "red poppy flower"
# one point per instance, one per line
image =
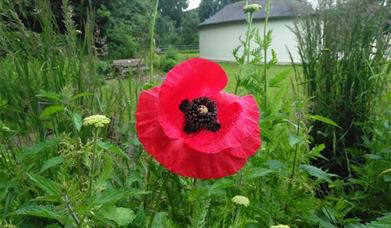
(193, 128)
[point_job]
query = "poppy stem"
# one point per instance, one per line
(194, 203)
(148, 176)
(265, 37)
(155, 204)
(295, 156)
(246, 49)
(237, 216)
(152, 39)
(194, 182)
(94, 157)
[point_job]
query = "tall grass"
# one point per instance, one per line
(42, 63)
(48, 78)
(344, 49)
(54, 172)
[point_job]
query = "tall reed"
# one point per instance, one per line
(344, 50)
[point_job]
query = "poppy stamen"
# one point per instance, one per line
(202, 109)
(200, 113)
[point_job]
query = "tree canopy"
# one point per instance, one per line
(173, 9)
(121, 25)
(209, 7)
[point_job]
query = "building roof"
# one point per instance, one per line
(234, 12)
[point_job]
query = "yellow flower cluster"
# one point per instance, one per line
(252, 8)
(96, 120)
(241, 200)
(279, 226)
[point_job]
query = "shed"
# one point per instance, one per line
(219, 34)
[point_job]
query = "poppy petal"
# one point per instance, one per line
(176, 156)
(188, 80)
(238, 116)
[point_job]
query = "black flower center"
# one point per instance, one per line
(200, 113)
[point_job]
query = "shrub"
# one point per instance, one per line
(344, 49)
(169, 60)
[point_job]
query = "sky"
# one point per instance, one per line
(193, 4)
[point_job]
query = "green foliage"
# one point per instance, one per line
(346, 73)
(55, 172)
(125, 25)
(188, 31)
(208, 8)
(169, 60)
(343, 48)
(173, 9)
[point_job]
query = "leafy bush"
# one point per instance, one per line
(169, 60)
(55, 171)
(344, 49)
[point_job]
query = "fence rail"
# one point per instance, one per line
(178, 48)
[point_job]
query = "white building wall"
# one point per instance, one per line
(218, 41)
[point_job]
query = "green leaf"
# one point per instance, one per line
(293, 140)
(122, 216)
(110, 196)
(161, 220)
(52, 163)
(50, 144)
(385, 171)
(316, 151)
(275, 164)
(387, 178)
(382, 222)
(40, 211)
(80, 95)
(260, 172)
(49, 95)
(280, 77)
(324, 120)
(316, 172)
(373, 157)
(113, 148)
(148, 85)
(3, 103)
(322, 221)
(50, 111)
(106, 173)
(51, 188)
(77, 120)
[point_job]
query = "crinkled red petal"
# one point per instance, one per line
(188, 80)
(177, 156)
(238, 116)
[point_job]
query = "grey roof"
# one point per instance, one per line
(234, 12)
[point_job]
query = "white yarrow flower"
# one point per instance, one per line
(279, 226)
(96, 120)
(241, 200)
(252, 8)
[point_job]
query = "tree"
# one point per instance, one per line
(124, 24)
(188, 29)
(173, 9)
(209, 7)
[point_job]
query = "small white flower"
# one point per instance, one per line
(251, 8)
(241, 200)
(279, 226)
(96, 120)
